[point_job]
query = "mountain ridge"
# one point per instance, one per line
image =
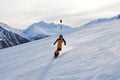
(44, 29)
(117, 17)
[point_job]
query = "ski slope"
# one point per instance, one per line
(92, 53)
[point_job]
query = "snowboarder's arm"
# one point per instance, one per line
(55, 42)
(64, 41)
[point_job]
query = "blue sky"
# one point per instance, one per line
(22, 13)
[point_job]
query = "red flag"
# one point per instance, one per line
(61, 21)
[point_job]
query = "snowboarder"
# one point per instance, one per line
(59, 42)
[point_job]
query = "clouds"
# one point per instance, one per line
(21, 13)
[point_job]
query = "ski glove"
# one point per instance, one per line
(53, 43)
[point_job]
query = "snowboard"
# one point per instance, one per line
(56, 55)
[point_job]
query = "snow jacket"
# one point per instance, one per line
(59, 42)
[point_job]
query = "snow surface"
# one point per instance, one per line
(92, 53)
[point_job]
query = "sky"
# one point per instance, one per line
(22, 13)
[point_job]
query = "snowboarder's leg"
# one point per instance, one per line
(56, 53)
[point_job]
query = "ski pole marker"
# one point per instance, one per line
(61, 25)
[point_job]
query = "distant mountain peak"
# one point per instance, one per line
(9, 28)
(42, 22)
(103, 20)
(43, 29)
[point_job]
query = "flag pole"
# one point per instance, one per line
(61, 25)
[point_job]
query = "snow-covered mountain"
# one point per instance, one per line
(9, 28)
(35, 31)
(41, 29)
(3, 44)
(92, 53)
(8, 38)
(103, 20)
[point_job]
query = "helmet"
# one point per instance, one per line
(61, 36)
